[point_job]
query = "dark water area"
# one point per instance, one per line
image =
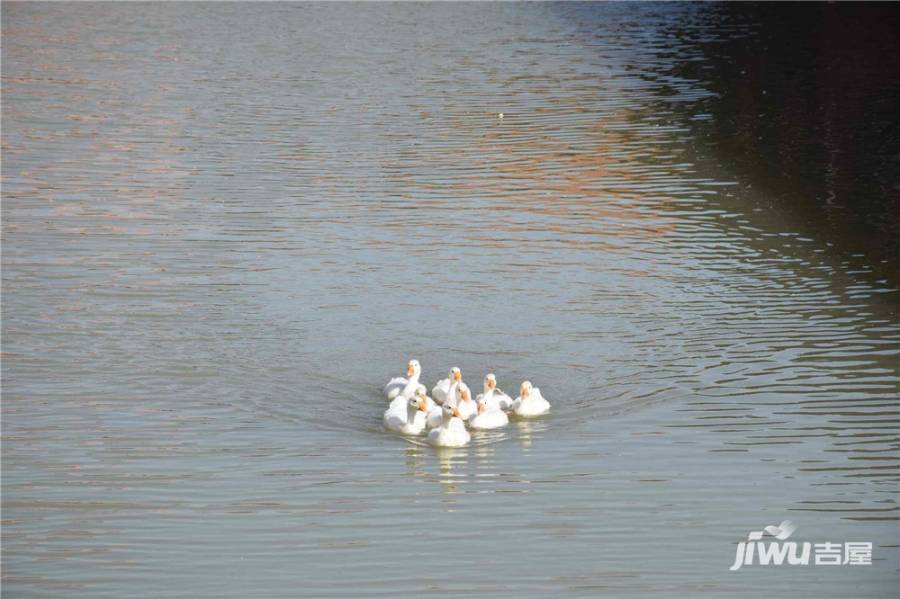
(806, 107)
(226, 225)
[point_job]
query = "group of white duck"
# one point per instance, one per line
(450, 409)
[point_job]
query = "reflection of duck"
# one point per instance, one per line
(485, 454)
(496, 399)
(401, 386)
(442, 391)
(448, 458)
(526, 431)
(530, 402)
(411, 423)
(488, 418)
(451, 433)
(414, 460)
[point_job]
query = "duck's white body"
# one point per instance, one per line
(530, 402)
(496, 399)
(451, 433)
(440, 390)
(463, 402)
(444, 387)
(488, 419)
(412, 422)
(399, 386)
(433, 419)
(450, 400)
(398, 405)
(453, 436)
(467, 408)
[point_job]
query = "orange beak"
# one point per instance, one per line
(422, 405)
(410, 370)
(465, 395)
(480, 408)
(456, 412)
(457, 376)
(525, 392)
(491, 384)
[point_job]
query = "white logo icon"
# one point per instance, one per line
(797, 554)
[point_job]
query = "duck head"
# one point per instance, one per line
(412, 407)
(490, 382)
(421, 398)
(462, 393)
(525, 389)
(413, 369)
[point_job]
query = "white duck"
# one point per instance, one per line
(495, 398)
(429, 403)
(442, 391)
(530, 402)
(488, 418)
(451, 433)
(398, 404)
(411, 423)
(405, 386)
(435, 415)
(464, 403)
(434, 418)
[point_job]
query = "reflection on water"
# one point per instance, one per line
(452, 464)
(805, 102)
(215, 253)
(415, 461)
(527, 429)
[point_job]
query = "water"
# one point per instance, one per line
(225, 226)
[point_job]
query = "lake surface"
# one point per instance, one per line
(225, 226)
